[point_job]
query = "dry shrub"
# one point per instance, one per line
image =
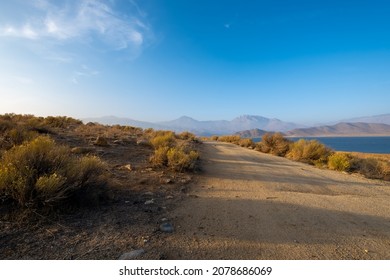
(274, 144)
(16, 136)
(187, 136)
(371, 168)
(163, 139)
(339, 162)
(61, 121)
(160, 158)
(214, 138)
(312, 152)
(246, 143)
(42, 173)
(235, 139)
(179, 159)
(173, 151)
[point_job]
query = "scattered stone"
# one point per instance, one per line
(149, 193)
(169, 197)
(164, 220)
(168, 181)
(118, 142)
(127, 167)
(132, 255)
(166, 227)
(143, 142)
(101, 141)
(148, 202)
(126, 201)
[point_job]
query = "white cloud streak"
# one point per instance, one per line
(82, 20)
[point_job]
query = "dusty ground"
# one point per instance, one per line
(243, 205)
(122, 224)
(249, 205)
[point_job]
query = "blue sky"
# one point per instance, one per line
(156, 60)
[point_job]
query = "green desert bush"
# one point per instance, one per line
(41, 173)
(339, 161)
(274, 144)
(309, 151)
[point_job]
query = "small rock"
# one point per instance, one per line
(128, 167)
(164, 220)
(132, 255)
(149, 193)
(148, 202)
(168, 181)
(169, 197)
(166, 227)
(143, 142)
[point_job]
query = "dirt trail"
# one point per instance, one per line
(249, 205)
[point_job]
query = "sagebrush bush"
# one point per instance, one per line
(61, 121)
(163, 139)
(312, 152)
(274, 144)
(371, 168)
(159, 158)
(235, 139)
(339, 162)
(179, 159)
(187, 136)
(42, 173)
(16, 136)
(246, 143)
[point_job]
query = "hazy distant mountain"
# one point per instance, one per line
(112, 120)
(252, 133)
(343, 129)
(185, 123)
(385, 119)
(245, 122)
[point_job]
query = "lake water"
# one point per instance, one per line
(379, 145)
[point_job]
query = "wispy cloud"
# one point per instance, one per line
(86, 20)
(84, 71)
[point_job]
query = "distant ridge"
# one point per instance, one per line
(343, 129)
(206, 128)
(384, 119)
(252, 133)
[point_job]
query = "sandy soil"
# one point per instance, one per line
(249, 205)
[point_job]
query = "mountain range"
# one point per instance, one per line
(205, 128)
(374, 125)
(343, 129)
